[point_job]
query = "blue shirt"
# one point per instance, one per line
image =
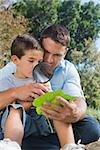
(65, 77)
(7, 70)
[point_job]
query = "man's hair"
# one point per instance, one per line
(23, 43)
(57, 33)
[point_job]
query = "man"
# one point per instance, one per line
(55, 40)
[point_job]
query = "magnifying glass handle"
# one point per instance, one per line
(48, 85)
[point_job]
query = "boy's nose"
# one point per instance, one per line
(34, 64)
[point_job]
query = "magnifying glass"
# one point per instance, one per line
(42, 72)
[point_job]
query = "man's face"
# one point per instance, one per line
(27, 62)
(54, 52)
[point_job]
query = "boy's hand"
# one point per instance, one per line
(28, 91)
(26, 105)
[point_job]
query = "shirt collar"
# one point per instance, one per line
(62, 64)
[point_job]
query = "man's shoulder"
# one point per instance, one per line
(66, 65)
(7, 70)
(69, 69)
(5, 82)
(7, 78)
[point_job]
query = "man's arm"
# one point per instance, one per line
(70, 112)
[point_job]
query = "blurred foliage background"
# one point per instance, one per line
(83, 22)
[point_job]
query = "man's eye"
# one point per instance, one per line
(58, 55)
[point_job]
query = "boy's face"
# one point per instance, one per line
(27, 62)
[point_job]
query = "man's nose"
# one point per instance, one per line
(49, 59)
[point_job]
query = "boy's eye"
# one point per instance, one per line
(31, 61)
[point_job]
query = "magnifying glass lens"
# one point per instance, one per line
(42, 72)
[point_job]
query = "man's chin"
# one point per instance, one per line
(53, 68)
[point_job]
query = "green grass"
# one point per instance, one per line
(94, 113)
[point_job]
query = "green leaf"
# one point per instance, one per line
(50, 97)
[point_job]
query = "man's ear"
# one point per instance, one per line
(15, 59)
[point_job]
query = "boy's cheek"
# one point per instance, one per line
(28, 75)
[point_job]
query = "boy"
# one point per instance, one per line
(26, 54)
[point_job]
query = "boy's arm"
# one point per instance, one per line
(26, 105)
(24, 93)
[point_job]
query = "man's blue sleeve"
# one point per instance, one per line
(7, 70)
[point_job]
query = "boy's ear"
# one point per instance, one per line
(15, 59)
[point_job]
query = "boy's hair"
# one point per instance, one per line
(23, 43)
(57, 33)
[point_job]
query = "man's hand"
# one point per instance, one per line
(69, 112)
